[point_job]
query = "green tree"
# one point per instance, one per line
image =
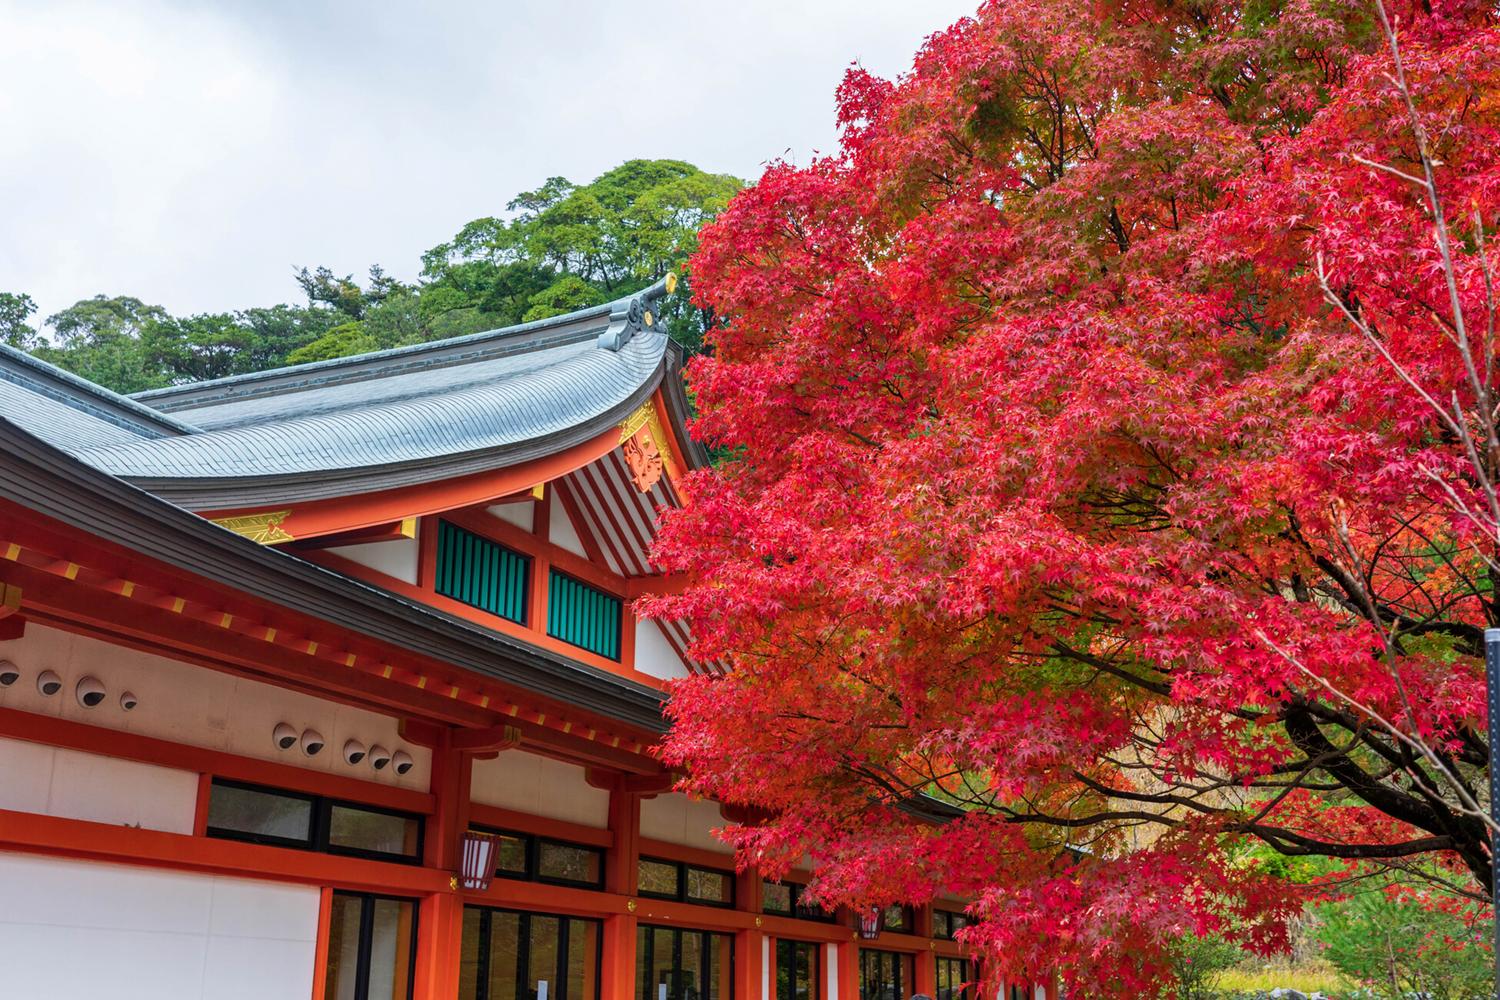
(1404, 944)
(15, 332)
(101, 340)
(567, 245)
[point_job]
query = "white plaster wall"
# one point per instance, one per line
(560, 531)
(397, 557)
(765, 968)
(197, 706)
(678, 819)
(541, 786)
(652, 653)
(76, 930)
(57, 782)
(831, 963)
(521, 513)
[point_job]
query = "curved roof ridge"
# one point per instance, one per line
(291, 377)
(75, 392)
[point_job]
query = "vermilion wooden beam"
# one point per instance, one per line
(131, 845)
(365, 510)
(391, 531)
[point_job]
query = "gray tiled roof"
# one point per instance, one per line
(356, 424)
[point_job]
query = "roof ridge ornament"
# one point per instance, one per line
(630, 316)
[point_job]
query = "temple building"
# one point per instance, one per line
(324, 682)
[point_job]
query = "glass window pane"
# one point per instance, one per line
(343, 946)
(505, 954)
(663, 972)
(583, 960)
(568, 863)
(705, 886)
(895, 918)
(690, 973)
(719, 967)
(259, 814)
(391, 927)
(541, 974)
(360, 829)
(510, 856)
(776, 898)
(657, 878)
(643, 964)
(468, 955)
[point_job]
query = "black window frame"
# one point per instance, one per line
(523, 951)
(532, 845)
(908, 920)
(947, 923)
(800, 910)
(681, 896)
(319, 826)
(367, 934)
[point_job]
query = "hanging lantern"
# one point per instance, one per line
(478, 859)
(869, 922)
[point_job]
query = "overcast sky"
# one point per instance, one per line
(191, 154)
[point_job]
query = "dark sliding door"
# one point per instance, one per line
(372, 944)
(528, 956)
(796, 970)
(674, 964)
(884, 975)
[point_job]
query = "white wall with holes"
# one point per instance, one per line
(540, 786)
(198, 706)
(77, 930)
(681, 819)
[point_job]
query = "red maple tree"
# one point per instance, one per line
(1065, 487)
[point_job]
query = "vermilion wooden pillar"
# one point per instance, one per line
(926, 961)
(441, 918)
(849, 969)
(618, 966)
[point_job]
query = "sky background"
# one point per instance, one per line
(193, 154)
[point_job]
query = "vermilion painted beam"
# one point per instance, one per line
(131, 845)
(364, 510)
(391, 531)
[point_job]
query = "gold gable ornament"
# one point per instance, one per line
(263, 529)
(645, 447)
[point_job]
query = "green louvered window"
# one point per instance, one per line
(481, 573)
(582, 615)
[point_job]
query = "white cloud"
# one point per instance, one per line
(191, 155)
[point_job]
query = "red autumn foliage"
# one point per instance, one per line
(1057, 490)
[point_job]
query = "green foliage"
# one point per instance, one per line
(1197, 963)
(563, 247)
(15, 332)
(1400, 947)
